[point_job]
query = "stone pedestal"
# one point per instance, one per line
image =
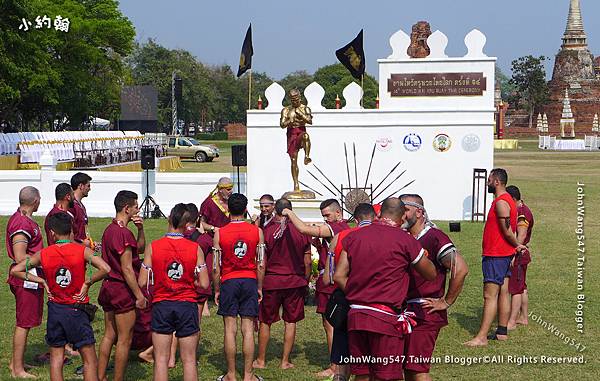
(306, 210)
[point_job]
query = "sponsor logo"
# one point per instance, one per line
(384, 144)
(175, 271)
(63, 277)
(412, 142)
(240, 249)
(442, 143)
(471, 143)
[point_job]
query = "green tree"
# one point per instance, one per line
(529, 80)
(506, 87)
(334, 78)
(260, 82)
(297, 80)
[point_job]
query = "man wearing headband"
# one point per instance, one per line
(287, 271)
(499, 246)
(214, 211)
(267, 208)
(427, 298)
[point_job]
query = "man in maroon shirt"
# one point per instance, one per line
(267, 211)
(334, 223)
(373, 271)
(214, 213)
(81, 184)
(287, 270)
(24, 238)
(65, 201)
(120, 293)
(517, 285)
(428, 300)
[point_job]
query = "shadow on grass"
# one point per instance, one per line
(470, 322)
(274, 353)
(315, 353)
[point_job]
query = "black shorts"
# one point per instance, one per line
(239, 296)
(170, 316)
(68, 325)
(340, 351)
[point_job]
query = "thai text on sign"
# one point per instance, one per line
(437, 84)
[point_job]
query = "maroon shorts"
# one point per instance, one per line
(418, 348)
(142, 331)
(385, 352)
(321, 300)
(116, 297)
(516, 283)
(201, 299)
(292, 301)
(294, 140)
(29, 306)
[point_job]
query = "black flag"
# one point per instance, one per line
(247, 52)
(352, 56)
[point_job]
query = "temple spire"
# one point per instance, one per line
(574, 37)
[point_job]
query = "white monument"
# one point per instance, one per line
(436, 117)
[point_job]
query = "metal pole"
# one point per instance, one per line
(173, 105)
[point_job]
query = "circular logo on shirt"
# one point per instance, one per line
(63, 277)
(471, 143)
(412, 142)
(175, 271)
(442, 143)
(240, 249)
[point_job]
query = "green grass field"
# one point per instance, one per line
(222, 164)
(548, 182)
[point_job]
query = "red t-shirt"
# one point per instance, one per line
(436, 243)
(494, 244)
(285, 257)
(115, 240)
(205, 242)
(380, 257)
(336, 227)
(20, 223)
(65, 269)
(213, 215)
(80, 221)
(52, 212)
(173, 265)
(238, 240)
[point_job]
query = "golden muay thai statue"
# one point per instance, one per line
(294, 118)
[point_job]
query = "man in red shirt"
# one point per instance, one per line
(239, 248)
(334, 223)
(287, 271)
(64, 264)
(214, 212)
(81, 184)
(175, 266)
(428, 299)
(120, 293)
(499, 246)
(24, 238)
(517, 285)
(65, 201)
(373, 271)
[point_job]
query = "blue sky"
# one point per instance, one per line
(304, 35)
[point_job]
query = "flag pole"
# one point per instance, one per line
(362, 86)
(250, 89)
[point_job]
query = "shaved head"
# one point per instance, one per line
(393, 209)
(28, 196)
(224, 181)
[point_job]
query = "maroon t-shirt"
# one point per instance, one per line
(380, 257)
(323, 248)
(437, 244)
(212, 214)
(53, 211)
(19, 223)
(524, 213)
(285, 257)
(205, 242)
(115, 240)
(80, 221)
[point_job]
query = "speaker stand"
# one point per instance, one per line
(149, 207)
(238, 179)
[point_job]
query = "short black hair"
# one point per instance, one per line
(237, 204)
(60, 223)
(514, 192)
(179, 215)
(392, 207)
(78, 179)
(500, 174)
(267, 197)
(62, 190)
(193, 213)
(330, 202)
(364, 211)
(282, 203)
(124, 198)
